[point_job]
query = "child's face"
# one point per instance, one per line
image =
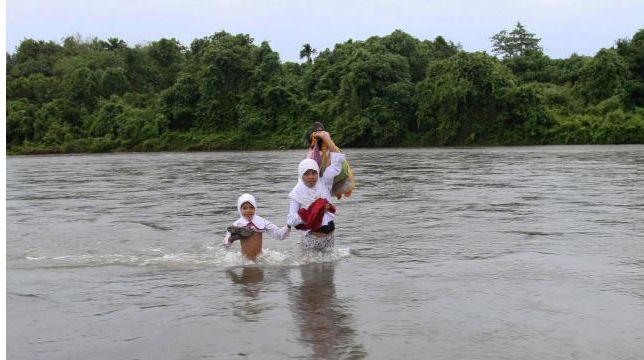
(247, 210)
(310, 177)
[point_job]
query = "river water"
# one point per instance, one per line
(459, 253)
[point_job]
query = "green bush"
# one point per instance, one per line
(224, 91)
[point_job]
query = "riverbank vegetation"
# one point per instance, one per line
(226, 92)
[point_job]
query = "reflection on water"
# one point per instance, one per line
(250, 280)
(250, 277)
(323, 319)
(499, 253)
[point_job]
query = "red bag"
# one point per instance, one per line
(313, 215)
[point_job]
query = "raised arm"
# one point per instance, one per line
(335, 166)
(326, 137)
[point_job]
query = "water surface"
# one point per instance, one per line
(481, 253)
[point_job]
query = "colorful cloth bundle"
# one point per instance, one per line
(344, 182)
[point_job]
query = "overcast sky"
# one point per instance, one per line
(564, 26)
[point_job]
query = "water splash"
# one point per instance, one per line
(211, 256)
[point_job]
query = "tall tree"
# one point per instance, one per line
(462, 98)
(114, 43)
(604, 76)
(515, 42)
(633, 52)
(307, 52)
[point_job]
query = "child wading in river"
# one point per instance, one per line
(310, 208)
(250, 227)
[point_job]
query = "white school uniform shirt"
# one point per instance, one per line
(259, 224)
(303, 196)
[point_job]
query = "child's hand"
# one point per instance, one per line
(326, 138)
(323, 135)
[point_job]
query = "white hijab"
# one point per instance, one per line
(307, 195)
(259, 222)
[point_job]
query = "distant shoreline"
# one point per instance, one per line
(452, 147)
(224, 92)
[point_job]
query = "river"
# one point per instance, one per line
(441, 253)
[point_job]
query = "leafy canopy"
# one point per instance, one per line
(514, 43)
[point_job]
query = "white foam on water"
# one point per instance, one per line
(211, 256)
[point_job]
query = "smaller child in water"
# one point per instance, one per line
(248, 229)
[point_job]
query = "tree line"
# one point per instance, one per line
(225, 92)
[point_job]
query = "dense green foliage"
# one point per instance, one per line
(226, 92)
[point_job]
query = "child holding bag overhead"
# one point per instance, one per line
(310, 208)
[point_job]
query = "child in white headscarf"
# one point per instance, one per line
(250, 227)
(310, 206)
